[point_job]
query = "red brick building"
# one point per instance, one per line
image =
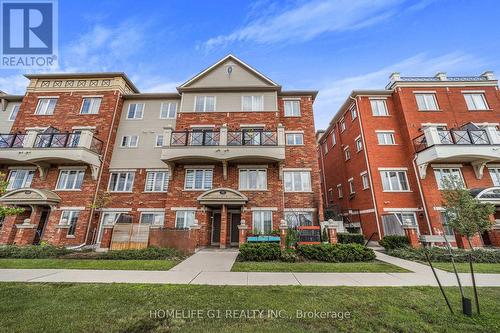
(386, 153)
(230, 150)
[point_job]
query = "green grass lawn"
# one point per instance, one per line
(315, 266)
(463, 267)
(127, 308)
(148, 265)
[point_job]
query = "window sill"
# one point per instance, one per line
(298, 191)
(134, 118)
(118, 192)
(430, 110)
(292, 116)
(67, 190)
(396, 191)
(385, 115)
(149, 192)
(252, 190)
(295, 145)
(196, 190)
(70, 236)
(485, 110)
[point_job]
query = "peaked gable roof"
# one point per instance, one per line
(266, 82)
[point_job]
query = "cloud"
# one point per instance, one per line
(313, 18)
(153, 86)
(333, 93)
(13, 84)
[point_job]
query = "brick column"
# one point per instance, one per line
(332, 233)
(242, 229)
(411, 234)
(464, 244)
(283, 230)
(25, 234)
(223, 227)
(195, 232)
(107, 232)
(8, 232)
(495, 236)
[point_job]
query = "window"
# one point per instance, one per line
(168, 110)
(334, 139)
(152, 218)
(394, 181)
(299, 218)
(495, 176)
(20, 178)
(292, 108)
(159, 140)
(262, 222)
(406, 218)
(69, 218)
(135, 111)
(325, 148)
(14, 112)
(426, 102)
(198, 179)
(294, 139)
(476, 101)
(347, 153)
(129, 141)
(351, 186)
(253, 179)
(359, 144)
(365, 181)
(448, 177)
(46, 106)
(204, 103)
(91, 105)
(121, 181)
(70, 180)
(340, 191)
(156, 181)
(379, 107)
(448, 231)
(386, 138)
(342, 125)
(354, 112)
(110, 218)
(252, 103)
(297, 181)
(184, 219)
(330, 195)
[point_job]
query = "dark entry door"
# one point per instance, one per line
(41, 226)
(216, 228)
(235, 221)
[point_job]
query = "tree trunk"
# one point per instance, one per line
(470, 244)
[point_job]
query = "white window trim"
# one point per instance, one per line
(156, 171)
(294, 134)
(356, 140)
(385, 106)
(135, 118)
(293, 184)
(433, 94)
(40, 98)
(205, 103)
(351, 108)
(128, 174)
(91, 105)
(405, 170)
(362, 175)
(350, 182)
(389, 132)
(69, 169)
(194, 181)
(161, 109)
(434, 168)
(253, 103)
(251, 189)
(483, 96)
(342, 124)
(340, 191)
(128, 144)
(152, 211)
(14, 105)
(156, 141)
(292, 100)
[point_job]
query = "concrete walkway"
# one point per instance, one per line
(211, 267)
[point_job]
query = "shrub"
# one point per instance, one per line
(259, 252)
(289, 255)
(348, 238)
(438, 254)
(32, 251)
(324, 236)
(336, 252)
(149, 253)
(292, 236)
(394, 242)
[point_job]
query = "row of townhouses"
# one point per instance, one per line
(230, 150)
(386, 154)
(230, 147)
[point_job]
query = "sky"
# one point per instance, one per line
(332, 46)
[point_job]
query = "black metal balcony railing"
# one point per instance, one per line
(12, 140)
(453, 137)
(195, 138)
(50, 140)
(252, 138)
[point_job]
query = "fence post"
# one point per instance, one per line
(411, 234)
(332, 233)
(195, 232)
(242, 229)
(283, 230)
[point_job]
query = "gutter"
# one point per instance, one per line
(424, 205)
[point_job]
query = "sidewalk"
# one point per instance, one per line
(211, 267)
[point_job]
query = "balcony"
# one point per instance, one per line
(42, 149)
(469, 144)
(255, 146)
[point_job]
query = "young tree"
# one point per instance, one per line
(6, 211)
(464, 213)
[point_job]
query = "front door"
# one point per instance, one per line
(215, 228)
(235, 221)
(41, 226)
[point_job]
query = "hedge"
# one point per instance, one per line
(438, 254)
(32, 251)
(394, 242)
(259, 252)
(348, 238)
(336, 252)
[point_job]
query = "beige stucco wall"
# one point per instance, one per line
(239, 77)
(5, 124)
(146, 155)
(230, 101)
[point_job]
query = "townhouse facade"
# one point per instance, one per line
(229, 148)
(388, 153)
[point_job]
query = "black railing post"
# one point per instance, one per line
(470, 137)
(66, 139)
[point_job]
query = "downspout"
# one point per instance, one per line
(102, 169)
(368, 170)
(424, 205)
(320, 152)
